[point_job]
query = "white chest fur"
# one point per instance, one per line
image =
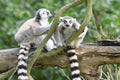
(68, 32)
(44, 22)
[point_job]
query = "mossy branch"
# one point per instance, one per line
(5, 75)
(90, 56)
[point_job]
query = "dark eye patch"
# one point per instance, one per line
(64, 21)
(44, 12)
(70, 21)
(47, 13)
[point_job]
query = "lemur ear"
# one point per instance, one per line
(61, 19)
(37, 16)
(76, 24)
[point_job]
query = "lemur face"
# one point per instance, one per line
(66, 22)
(44, 14)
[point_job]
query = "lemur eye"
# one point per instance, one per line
(65, 21)
(47, 13)
(44, 12)
(70, 21)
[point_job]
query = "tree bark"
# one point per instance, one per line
(90, 56)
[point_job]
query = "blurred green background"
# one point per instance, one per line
(105, 24)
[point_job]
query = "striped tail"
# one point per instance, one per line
(74, 65)
(22, 63)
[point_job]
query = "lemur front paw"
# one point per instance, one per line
(64, 44)
(59, 44)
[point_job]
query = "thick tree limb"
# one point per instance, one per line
(90, 58)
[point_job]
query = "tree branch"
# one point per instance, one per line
(90, 58)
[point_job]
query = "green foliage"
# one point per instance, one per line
(105, 24)
(49, 73)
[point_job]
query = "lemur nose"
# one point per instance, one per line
(67, 25)
(51, 16)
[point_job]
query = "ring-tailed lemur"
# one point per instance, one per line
(66, 27)
(28, 34)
